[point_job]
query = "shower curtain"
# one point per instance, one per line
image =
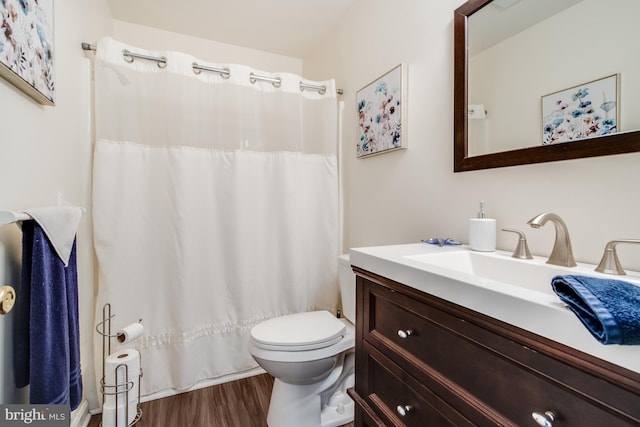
(215, 204)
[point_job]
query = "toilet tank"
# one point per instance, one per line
(347, 281)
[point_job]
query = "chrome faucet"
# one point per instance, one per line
(562, 254)
(610, 264)
(522, 250)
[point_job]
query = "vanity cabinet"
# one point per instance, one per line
(423, 361)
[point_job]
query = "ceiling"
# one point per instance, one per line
(285, 27)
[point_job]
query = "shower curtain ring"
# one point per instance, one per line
(127, 56)
(130, 56)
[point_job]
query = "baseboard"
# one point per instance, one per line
(80, 417)
(172, 392)
(202, 384)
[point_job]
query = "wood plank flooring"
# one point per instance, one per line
(242, 403)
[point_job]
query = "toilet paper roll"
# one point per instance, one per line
(130, 332)
(109, 413)
(122, 373)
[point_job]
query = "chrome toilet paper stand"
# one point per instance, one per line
(115, 389)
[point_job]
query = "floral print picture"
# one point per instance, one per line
(381, 109)
(581, 112)
(26, 47)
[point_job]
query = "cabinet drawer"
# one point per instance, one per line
(441, 346)
(401, 400)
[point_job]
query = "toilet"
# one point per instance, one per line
(311, 356)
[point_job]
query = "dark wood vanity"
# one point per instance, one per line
(423, 361)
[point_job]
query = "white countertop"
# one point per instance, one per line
(537, 312)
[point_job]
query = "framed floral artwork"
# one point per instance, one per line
(382, 113)
(585, 111)
(26, 47)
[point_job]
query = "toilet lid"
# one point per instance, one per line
(298, 332)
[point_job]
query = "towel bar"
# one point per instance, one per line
(9, 217)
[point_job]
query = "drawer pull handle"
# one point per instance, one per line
(403, 410)
(405, 334)
(544, 420)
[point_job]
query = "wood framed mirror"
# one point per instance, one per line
(624, 140)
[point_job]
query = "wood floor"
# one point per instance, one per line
(242, 403)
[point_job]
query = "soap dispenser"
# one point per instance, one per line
(482, 232)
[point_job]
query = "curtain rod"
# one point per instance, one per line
(224, 72)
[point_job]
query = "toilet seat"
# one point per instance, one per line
(299, 332)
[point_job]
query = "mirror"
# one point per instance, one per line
(551, 77)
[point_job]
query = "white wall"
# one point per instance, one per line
(408, 195)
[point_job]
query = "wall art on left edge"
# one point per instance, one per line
(27, 48)
(382, 110)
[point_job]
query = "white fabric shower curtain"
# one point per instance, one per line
(215, 204)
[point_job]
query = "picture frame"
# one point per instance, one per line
(583, 111)
(27, 47)
(382, 112)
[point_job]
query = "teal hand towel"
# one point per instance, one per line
(608, 308)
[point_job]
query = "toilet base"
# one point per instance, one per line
(338, 414)
(291, 410)
(294, 405)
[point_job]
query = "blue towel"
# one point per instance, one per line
(610, 309)
(47, 353)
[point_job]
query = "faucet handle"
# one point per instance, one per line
(610, 264)
(522, 249)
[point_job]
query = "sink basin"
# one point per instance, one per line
(500, 267)
(494, 284)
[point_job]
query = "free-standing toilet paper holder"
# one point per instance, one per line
(116, 389)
